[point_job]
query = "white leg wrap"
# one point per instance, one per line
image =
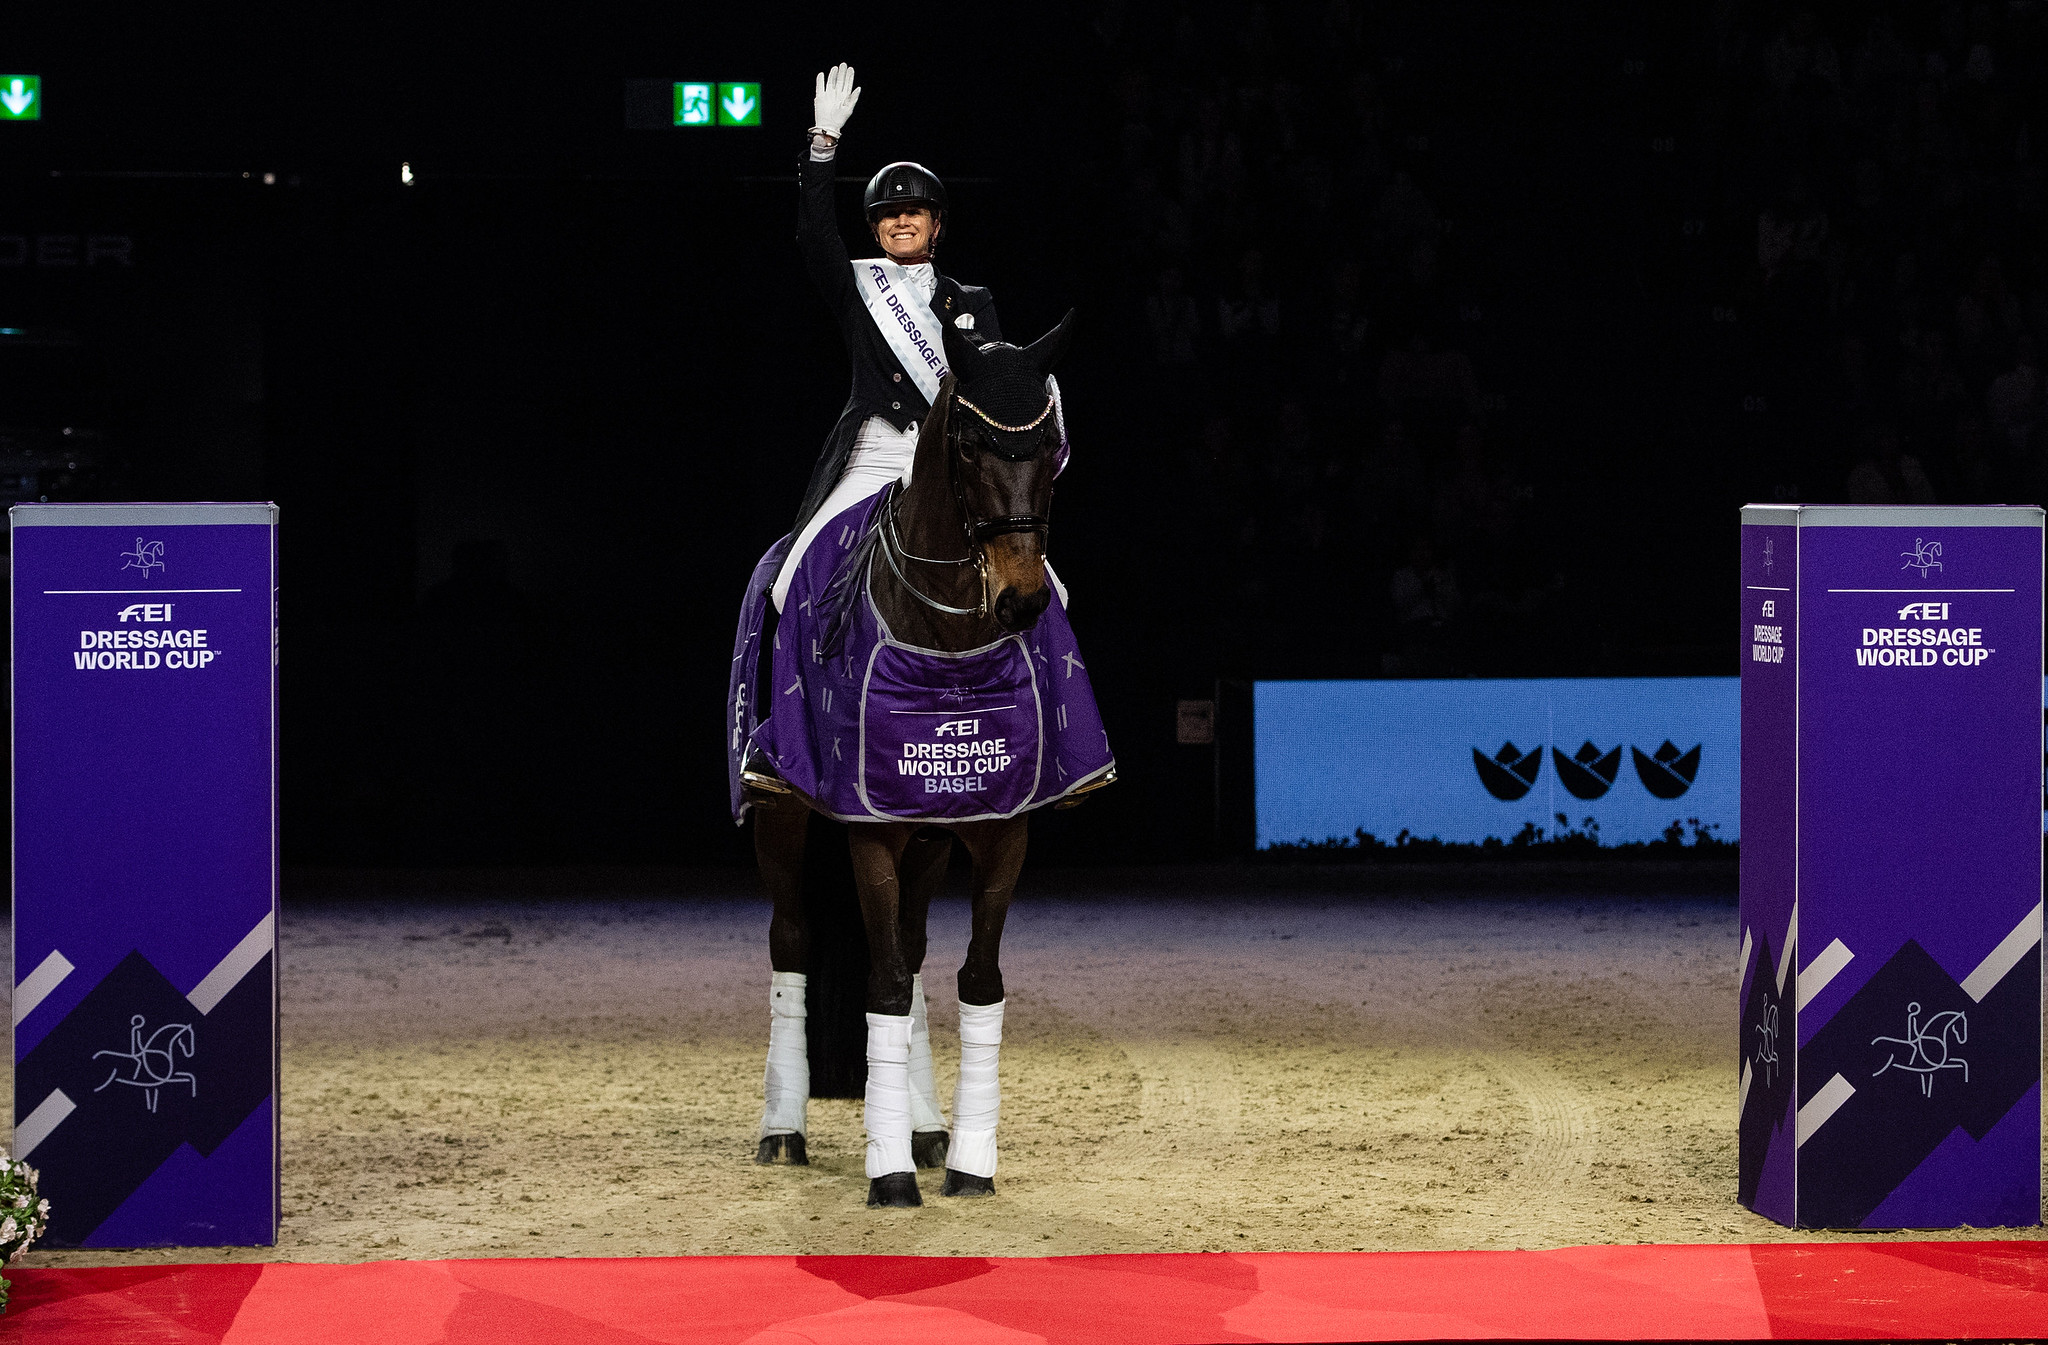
(977, 1100)
(924, 1094)
(887, 1117)
(786, 1086)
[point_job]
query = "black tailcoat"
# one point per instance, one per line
(880, 385)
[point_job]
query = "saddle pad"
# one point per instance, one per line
(871, 729)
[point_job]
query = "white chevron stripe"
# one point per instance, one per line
(1785, 948)
(35, 1127)
(1815, 975)
(1820, 1107)
(2005, 956)
(239, 962)
(37, 985)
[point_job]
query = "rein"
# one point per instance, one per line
(978, 531)
(892, 546)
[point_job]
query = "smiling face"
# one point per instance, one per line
(906, 231)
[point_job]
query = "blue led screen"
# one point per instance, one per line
(1467, 759)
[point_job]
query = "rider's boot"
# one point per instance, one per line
(971, 1162)
(927, 1126)
(786, 1084)
(892, 1176)
(759, 775)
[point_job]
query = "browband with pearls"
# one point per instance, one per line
(1011, 429)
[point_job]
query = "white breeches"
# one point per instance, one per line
(786, 1084)
(881, 454)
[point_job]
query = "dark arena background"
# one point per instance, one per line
(1414, 342)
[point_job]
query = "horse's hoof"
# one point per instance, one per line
(967, 1184)
(782, 1149)
(928, 1148)
(897, 1191)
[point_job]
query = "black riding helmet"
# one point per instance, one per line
(902, 184)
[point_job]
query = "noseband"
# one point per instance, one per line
(978, 531)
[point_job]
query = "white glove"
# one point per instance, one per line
(834, 100)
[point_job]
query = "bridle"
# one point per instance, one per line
(978, 531)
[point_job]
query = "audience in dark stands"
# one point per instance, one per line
(1862, 188)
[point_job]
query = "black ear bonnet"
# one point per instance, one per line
(1002, 388)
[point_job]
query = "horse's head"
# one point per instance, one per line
(1002, 445)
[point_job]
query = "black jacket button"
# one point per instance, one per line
(895, 406)
(897, 377)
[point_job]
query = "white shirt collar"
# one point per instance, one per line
(925, 276)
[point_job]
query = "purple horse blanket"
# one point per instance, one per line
(873, 729)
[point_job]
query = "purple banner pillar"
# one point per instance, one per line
(1890, 986)
(145, 870)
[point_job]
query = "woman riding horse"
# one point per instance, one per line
(870, 447)
(919, 342)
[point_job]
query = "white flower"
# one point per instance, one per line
(42, 1207)
(21, 1202)
(8, 1228)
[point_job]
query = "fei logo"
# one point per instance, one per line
(145, 557)
(1924, 556)
(1924, 611)
(957, 728)
(159, 612)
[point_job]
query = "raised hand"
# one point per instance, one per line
(834, 100)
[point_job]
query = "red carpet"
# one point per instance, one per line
(1913, 1289)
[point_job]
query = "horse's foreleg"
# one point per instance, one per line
(924, 873)
(877, 850)
(998, 852)
(779, 827)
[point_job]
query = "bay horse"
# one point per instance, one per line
(955, 563)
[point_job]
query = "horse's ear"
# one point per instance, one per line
(932, 437)
(962, 355)
(1046, 351)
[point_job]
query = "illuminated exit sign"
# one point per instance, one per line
(21, 98)
(739, 105)
(655, 104)
(693, 104)
(702, 103)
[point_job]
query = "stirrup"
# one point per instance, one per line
(1075, 799)
(758, 775)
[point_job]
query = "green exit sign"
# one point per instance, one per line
(693, 103)
(21, 98)
(739, 105)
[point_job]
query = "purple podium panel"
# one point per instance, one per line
(145, 870)
(1890, 984)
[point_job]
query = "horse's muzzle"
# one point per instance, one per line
(1017, 612)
